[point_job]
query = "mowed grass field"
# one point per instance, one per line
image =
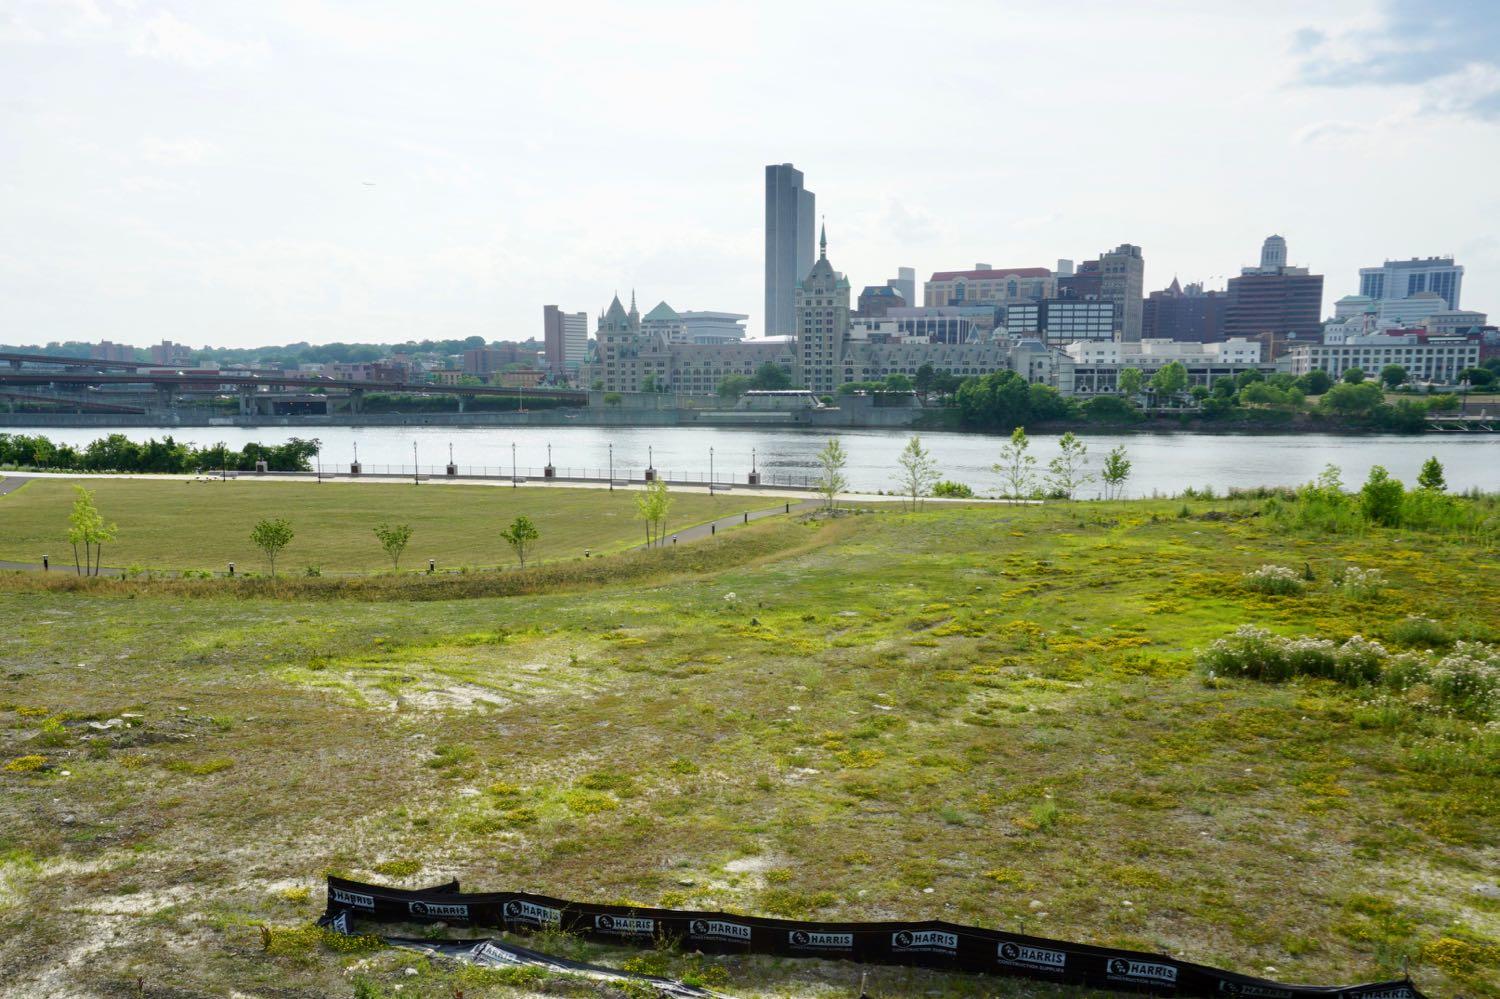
(206, 525)
(990, 715)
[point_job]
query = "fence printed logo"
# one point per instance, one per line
(1398, 992)
(488, 952)
(436, 910)
(924, 941)
(1017, 955)
(353, 898)
(715, 929)
(812, 940)
(625, 926)
(519, 911)
(1126, 970)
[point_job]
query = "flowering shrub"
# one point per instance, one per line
(1250, 651)
(1465, 682)
(1309, 656)
(1362, 584)
(1276, 579)
(1468, 680)
(1358, 661)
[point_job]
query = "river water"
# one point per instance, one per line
(1163, 463)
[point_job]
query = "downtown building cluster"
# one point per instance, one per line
(1073, 327)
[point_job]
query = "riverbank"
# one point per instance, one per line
(1165, 462)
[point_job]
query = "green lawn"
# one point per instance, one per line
(205, 525)
(990, 715)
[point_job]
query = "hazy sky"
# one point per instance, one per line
(268, 172)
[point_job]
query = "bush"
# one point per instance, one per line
(1250, 651)
(1417, 632)
(1468, 680)
(1362, 584)
(1380, 498)
(1311, 657)
(952, 490)
(1359, 661)
(1275, 579)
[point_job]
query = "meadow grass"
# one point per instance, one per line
(206, 525)
(987, 715)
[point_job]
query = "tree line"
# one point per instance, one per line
(118, 453)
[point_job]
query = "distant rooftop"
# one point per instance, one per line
(993, 274)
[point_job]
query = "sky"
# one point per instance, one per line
(306, 170)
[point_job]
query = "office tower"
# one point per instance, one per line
(1398, 279)
(1122, 281)
(1280, 302)
(1184, 313)
(789, 244)
(822, 320)
(905, 284)
(565, 336)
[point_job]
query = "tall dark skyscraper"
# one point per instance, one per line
(1275, 299)
(789, 244)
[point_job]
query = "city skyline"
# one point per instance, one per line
(293, 173)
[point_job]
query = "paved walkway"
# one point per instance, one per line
(701, 531)
(12, 482)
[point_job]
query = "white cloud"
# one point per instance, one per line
(176, 152)
(168, 37)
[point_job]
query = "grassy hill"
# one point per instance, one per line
(991, 715)
(206, 525)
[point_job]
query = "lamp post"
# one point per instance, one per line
(513, 464)
(710, 470)
(318, 458)
(611, 466)
(414, 466)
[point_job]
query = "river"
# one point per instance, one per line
(1163, 463)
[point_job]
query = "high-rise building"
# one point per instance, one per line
(878, 299)
(566, 339)
(1122, 281)
(822, 320)
(905, 284)
(1278, 302)
(789, 244)
(1398, 279)
(1187, 314)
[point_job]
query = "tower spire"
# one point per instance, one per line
(823, 240)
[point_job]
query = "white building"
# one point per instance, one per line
(1157, 353)
(1454, 321)
(1405, 313)
(1437, 360)
(713, 327)
(1398, 279)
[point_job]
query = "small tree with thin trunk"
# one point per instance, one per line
(652, 505)
(918, 471)
(1017, 467)
(1116, 471)
(271, 536)
(831, 481)
(393, 539)
(1066, 473)
(521, 534)
(1130, 380)
(86, 527)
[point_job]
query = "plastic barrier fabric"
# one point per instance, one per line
(925, 944)
(491, 953)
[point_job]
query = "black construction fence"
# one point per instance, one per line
(924, 944)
